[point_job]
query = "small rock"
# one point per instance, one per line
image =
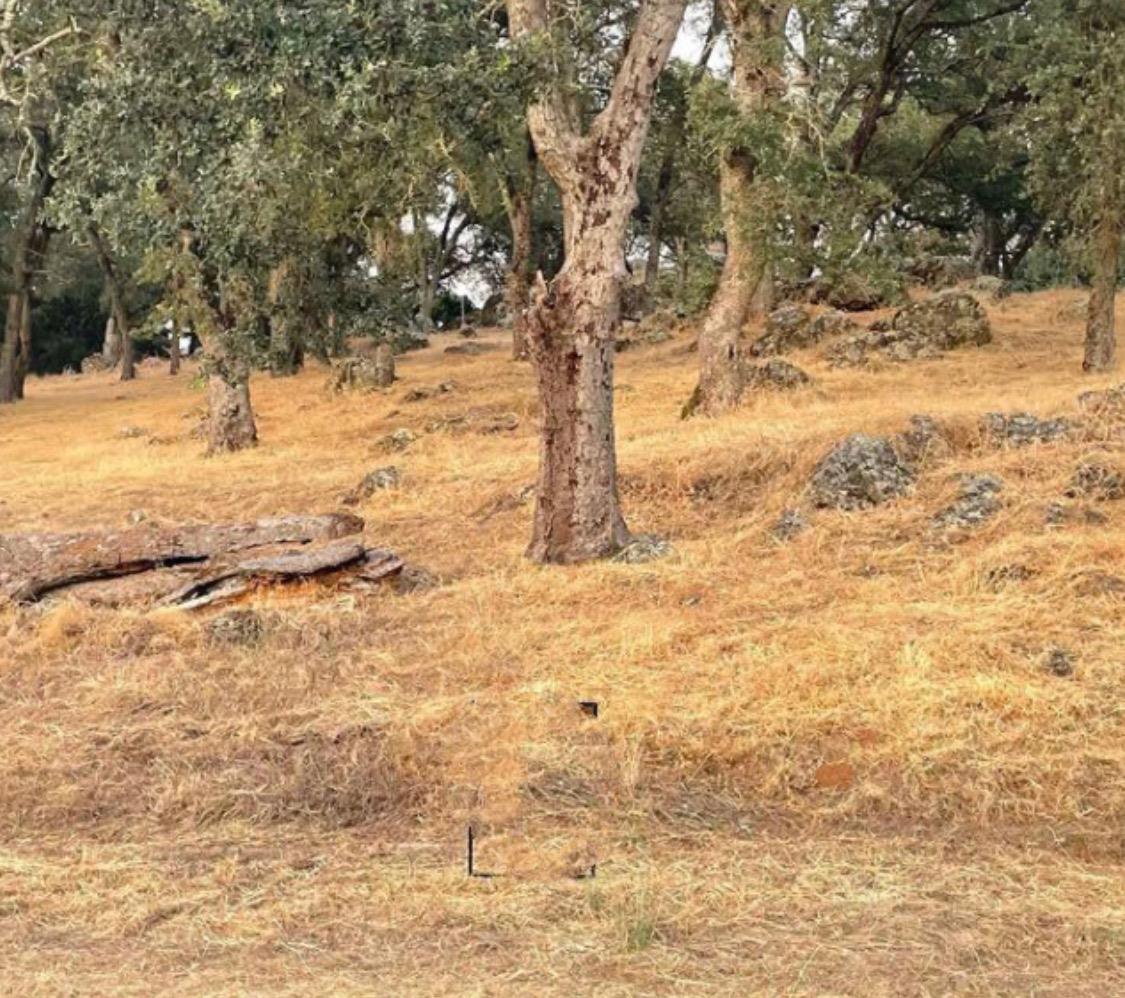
(923, 439)
(787, 328)
(776, 374)
(399, 440)
(643, 548)
(791, 523)
(94, 364)
(1098, 583)
(136, 516)
(1107, 402)
(1021, 428)
(1096, 481)
(996, 287)
(414, 580)
(1002, 575)
(377, 480)
(240, 626)
(976, 503)
(131, 432)
(1059, 662)
(472, 348)
(858, 473)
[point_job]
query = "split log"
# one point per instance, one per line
(33, 565)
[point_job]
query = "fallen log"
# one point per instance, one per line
(34, 565)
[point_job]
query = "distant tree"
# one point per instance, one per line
(1077, 131)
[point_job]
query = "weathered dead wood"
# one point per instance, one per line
(221, 581)
(33, 565)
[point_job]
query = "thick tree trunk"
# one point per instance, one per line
(230, 418)
(572, 329)
(573, 322)
(128, 358)
(756, 33)
(1101, 334)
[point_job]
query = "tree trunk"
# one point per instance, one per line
(573, 323)
(1101, 335)
(285, 353)
(128, 358)
(31, 246)
(230, 419)
(174, 346)
(116, 303)
(756, 31)
(111, 344)
(517, 288)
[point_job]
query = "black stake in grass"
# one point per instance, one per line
(471, 858)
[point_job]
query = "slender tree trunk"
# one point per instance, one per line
(174, 345)
(756, 32)
(116, 303)
(128, 358)
(285, 353)
(573, 322)
(30, 249)
(111, 344)
(1101, 334)
(517, 288)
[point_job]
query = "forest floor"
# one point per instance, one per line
(834, 766)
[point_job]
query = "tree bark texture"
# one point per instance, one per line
(1101, 332)
(517, 287)
(573, 321)
(756, 35)
(33, 237)
(116, 297)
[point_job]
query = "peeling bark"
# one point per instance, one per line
(573, 322)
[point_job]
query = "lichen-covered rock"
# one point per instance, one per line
(787, 328)
(1096, 481)
(995, 287)
(941, 271)
(924, 329)
(1108, 402)
(791, 523)
(860, 472)
(924, 438)
(1021, 428)
(854, 293)
(976, 503)
(775, 374)
(364, 373)
(1059, 662)
(240, 626)
(399, 440)
(643, 548)
(378, 480)
(94, 364)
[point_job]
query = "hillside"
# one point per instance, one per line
(834, 765)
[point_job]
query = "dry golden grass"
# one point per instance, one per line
(831, 767)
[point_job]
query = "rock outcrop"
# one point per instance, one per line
(858, 473)
(925, 329)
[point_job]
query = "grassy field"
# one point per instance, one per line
(836, 766)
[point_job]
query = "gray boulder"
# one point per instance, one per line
(860, 472)
(976, 503)
(1019, 429)
(924, 329)
(776, 374)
